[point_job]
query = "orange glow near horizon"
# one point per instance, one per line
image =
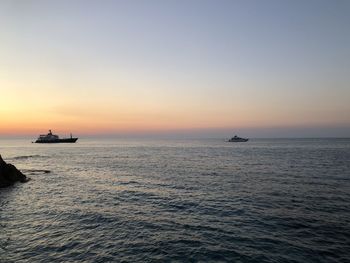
(108, 121)
(148, 106)
(140, 107)
(37, 102)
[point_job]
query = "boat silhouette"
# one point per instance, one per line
(237, 139)
(53, 138)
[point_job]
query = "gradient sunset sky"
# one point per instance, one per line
(196, 67)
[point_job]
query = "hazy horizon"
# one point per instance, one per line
(260, 133)
(259, 69)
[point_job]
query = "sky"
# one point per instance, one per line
(188, 67)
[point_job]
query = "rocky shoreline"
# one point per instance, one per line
(9, 174)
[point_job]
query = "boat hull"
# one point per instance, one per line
(238, 140)
(64, 140)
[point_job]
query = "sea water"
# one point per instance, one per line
(114, 200)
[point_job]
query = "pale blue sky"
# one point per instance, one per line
(203, 65)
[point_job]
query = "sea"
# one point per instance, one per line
(158, 200)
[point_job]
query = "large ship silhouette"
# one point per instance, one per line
(53, 138)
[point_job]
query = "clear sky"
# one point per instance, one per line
(257, 68)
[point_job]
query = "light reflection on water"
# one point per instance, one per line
(186, 201)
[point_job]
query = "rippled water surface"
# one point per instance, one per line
(178, 201)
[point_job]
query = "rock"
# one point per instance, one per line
(9, 174)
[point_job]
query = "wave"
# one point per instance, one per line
(35, 171)
(20, 157)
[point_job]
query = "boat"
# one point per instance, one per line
(53, 138)
(237, 139)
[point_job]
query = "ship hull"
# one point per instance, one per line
(238, 140)
(65, 140)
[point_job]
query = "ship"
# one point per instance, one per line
(237, 139)
(53, 138)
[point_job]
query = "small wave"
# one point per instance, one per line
(128, 182)
(26, 157)
(35, 171)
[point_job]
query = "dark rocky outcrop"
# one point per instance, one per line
(9, 174)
